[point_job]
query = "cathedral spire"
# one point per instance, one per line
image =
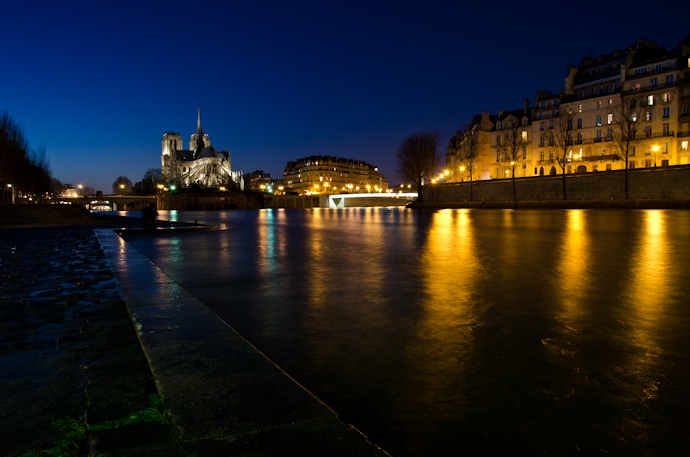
(198, 120)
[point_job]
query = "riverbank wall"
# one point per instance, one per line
(647, 188)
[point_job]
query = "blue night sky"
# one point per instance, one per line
(97, 83)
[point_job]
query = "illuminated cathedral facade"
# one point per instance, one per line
(200, 166)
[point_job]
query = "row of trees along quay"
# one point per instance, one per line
(24, 172)
(625, 129)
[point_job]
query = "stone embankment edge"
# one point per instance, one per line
(223, 394)
(558, 204)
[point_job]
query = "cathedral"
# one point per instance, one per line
(200, 165)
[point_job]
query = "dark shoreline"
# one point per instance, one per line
(27, 216)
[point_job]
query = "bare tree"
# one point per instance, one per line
(418, 159)
(513, 143)
(561, 140)
(25, 170)
(122, 185)
(468, 151)
(626, 123)
(148, 185)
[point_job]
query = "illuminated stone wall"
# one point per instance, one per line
(671, 183)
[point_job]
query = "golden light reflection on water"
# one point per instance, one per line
(332, 234)
(650, 271)
(648, 293)
(572, 270)
(450, 272)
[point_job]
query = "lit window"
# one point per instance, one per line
(648, 115)
(609, 119)
(667, 97)
(650, 100)
(579, 108)
(684, 145)
(524, 135)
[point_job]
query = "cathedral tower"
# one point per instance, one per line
(171, 143)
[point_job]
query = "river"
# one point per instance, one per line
(458, 331)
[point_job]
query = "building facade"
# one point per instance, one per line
(332, 175)
(579, 129)
(200, 166)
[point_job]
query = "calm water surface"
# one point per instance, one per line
(463, 332)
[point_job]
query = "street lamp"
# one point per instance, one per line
(655, 148)
(11, 187)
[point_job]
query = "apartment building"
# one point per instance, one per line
(579, 129)
(511, 140)
(332, 175)
(650, 91)
(468, 156)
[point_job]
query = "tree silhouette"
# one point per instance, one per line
(122, 186)
(418, 159)
(561, 140)
(26, 170)
(626, 122)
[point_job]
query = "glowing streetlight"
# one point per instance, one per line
(11, 187)
(655, 148)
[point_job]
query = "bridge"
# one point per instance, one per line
(370, 199)
(221, 201)
(112, 202)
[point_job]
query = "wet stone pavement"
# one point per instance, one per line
(102, 354)
(73, 376)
